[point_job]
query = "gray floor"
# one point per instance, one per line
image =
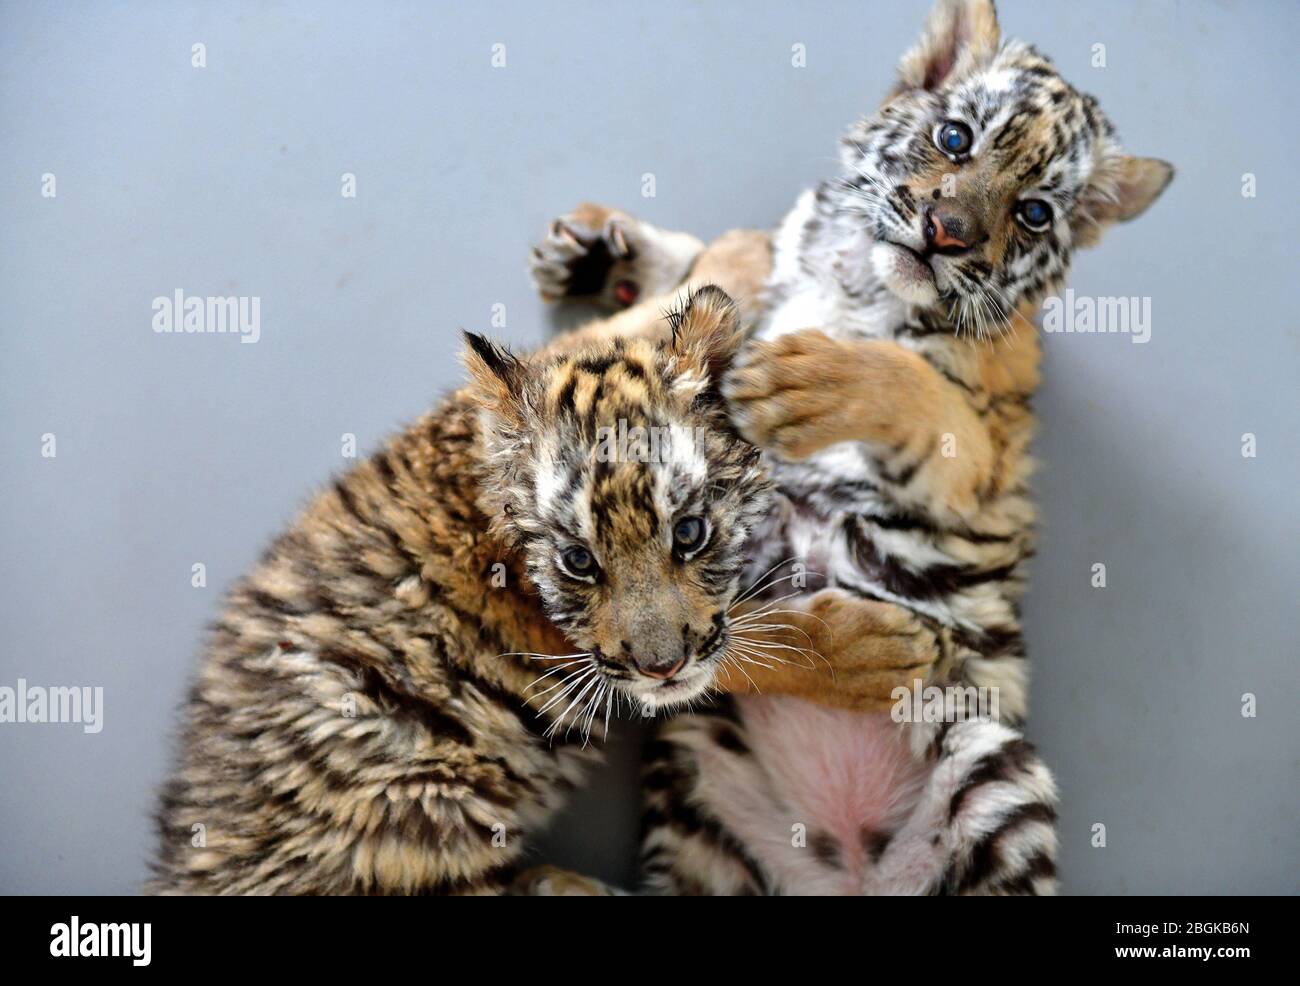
(174, 450)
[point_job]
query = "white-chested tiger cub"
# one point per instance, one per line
(889, 380)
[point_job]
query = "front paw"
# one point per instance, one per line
(588, 252)
(872, 648)
(794, 395)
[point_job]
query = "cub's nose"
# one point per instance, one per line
(947, 231)
(655, 667)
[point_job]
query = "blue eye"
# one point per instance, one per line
(579, 562)
(688, 533)
(1034, 213)
(955, 138)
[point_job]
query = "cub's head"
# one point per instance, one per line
(982, 171)
(613, 468)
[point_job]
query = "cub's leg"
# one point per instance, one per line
(606, 256)
(985, 822)
(686, 851)
(834, 649)
(738, 262)
(943, 444)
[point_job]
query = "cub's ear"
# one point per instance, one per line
(706, 331)
(1121, 191)
(497, 377)
(959, 36)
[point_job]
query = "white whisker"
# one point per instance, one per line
(754, 586)
(555, 670)
(542, 657)
(571, 683)
(558, 684)
(577, 698)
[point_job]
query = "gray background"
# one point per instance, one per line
(225, 180)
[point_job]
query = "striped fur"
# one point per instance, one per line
(352, 729)
(368, 717)
(889, 382)
(401, 691)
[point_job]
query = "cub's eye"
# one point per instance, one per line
(1034, 214)
(579, 562)
(688, 533)
(955, 138)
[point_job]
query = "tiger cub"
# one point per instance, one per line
(889, 382)
(400, 693)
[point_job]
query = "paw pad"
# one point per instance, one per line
(626, 293)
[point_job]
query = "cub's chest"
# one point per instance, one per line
(817, 304)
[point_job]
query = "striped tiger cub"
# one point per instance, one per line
(400, 693)
(888, 379)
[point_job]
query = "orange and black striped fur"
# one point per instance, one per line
(889, 381)
(400, 693)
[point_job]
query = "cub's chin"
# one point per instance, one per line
(905, 273)
(691, 683)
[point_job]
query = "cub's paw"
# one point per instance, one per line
(609, 257)
(794, 395)
(551, 881)
(578, 254)
(872, 648)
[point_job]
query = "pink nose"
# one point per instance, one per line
(941, 237)
(660, 670)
